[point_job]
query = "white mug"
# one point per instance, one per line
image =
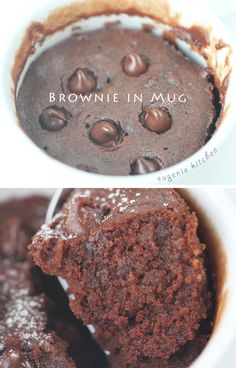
(20, 157)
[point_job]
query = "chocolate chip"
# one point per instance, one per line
(144, 165)
(106, 133)
(156, 120)
(134, 64)
(53, 118)
(82, 81)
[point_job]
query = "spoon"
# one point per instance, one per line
(53, 205)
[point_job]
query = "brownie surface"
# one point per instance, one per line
(117, 138)
(136, 268)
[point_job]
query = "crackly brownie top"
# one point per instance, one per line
(159, 129)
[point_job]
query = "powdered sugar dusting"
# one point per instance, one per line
(24, 317)
(69, 222)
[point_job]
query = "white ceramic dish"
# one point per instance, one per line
(221, 214)
(25, 158)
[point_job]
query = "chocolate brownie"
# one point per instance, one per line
(172, 117)
(19, 220)
(25, 334)
(37, 328)
(136, 268)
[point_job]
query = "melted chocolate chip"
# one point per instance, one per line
(106, 133)
(144, 165)
(156, 120)
(82, 81)
(53, 119)
(135, 64)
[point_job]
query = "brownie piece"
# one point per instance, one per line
(19, 220)
(125, 137)
(31, 332)
(25, 334)
(136, 268)
(182, 359)
(37, 328)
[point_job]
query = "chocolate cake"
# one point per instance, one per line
(25, 335)
(117, 102)
(136, 269)
(37, 329)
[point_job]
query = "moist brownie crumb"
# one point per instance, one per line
(171, 117)
(37, 328)
(136, 268)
